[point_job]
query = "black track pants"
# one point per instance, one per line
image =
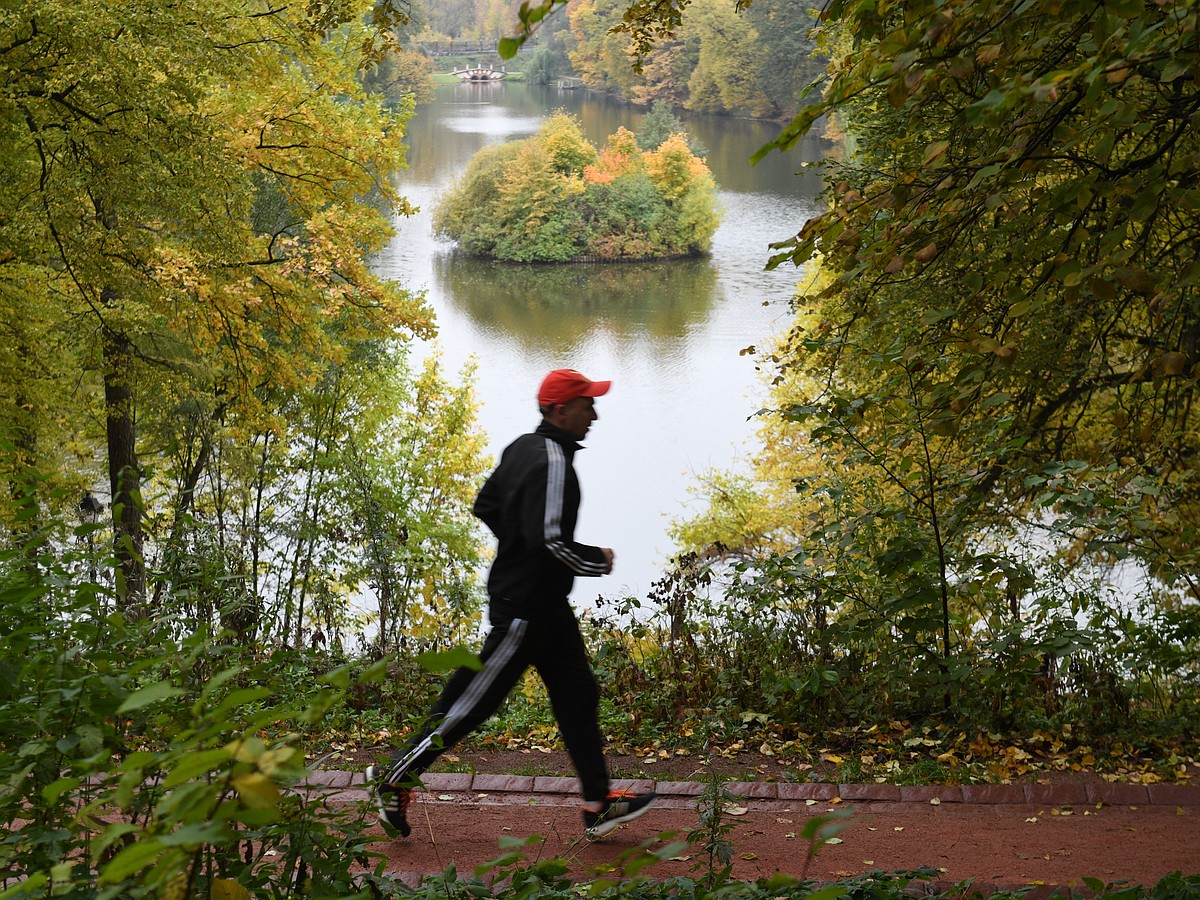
(553, 645)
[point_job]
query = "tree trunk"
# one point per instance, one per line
(124, 476)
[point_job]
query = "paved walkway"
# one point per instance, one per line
(992, 835)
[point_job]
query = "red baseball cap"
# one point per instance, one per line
(563, 385)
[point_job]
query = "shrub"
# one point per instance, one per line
(555, 198)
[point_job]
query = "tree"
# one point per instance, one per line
(141, 144)
(600, 55)
(659, 124)
(1017, 209)
(725, 79)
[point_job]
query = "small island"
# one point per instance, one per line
(554, 197)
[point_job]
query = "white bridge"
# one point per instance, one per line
(479, 74)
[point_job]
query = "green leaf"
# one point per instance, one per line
(55, 789)
(445, 660)
(196, 763)
(30, 887)
(132, 859)
(933, 316)
(152, 693)
(195, 834)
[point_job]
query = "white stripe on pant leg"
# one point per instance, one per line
(479, 685)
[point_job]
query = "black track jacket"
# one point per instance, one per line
(530, 502)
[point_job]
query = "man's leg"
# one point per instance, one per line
(563, 663)
(468, 699)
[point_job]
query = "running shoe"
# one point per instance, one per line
(619, 808)
(393, 802)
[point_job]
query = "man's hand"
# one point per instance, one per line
(609, 556)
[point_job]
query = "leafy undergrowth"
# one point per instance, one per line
(900, 753)
(511, 876)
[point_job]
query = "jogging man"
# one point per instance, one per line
(530, 503)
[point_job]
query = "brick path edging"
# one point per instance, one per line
(1066, 794)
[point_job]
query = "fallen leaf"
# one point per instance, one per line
(868, 862)
(935, 801)
(1031, 819)
(445, 797)
(736, 810)
(749, 856)
(898, 828)
(810, 802)
(834, 841)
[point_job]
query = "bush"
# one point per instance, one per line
(137, 763)
(555, 198)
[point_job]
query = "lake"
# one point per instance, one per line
(668, 334)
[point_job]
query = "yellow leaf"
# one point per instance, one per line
(935, 151)
(257, 790)
(228, 889)
(175, 889)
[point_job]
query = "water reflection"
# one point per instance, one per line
(561, 305)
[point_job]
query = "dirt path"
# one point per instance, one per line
(983, 836)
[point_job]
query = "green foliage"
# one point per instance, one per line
(659, 124)
(403, 77)
(710, 834)
(714, 56)
(542, 67)
(135, 762)
(843, 636)
(979, 415)
(555, 198)
(359, 506)
(193, 224)
(1022, 237)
